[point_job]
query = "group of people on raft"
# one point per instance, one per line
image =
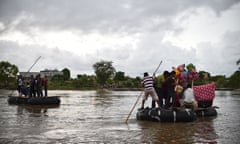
(34, 87)
(172, 89)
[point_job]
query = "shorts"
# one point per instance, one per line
(151, 92)
(19, 88)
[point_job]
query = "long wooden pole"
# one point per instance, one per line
(34, 64)
(157, 67)
(140, 96)
(133, 107)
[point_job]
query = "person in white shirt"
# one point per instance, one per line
(20, 85)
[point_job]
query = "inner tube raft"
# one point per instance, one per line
(206, 112)
(53, 100)
(165, 115)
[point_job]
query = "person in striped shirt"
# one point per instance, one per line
(149, 89)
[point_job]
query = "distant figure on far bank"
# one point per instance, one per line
(149, 90)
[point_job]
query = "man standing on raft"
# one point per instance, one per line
(149, 90)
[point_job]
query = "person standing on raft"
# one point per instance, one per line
(149, 90)
(20, 85)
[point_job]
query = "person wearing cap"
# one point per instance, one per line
(149, 89)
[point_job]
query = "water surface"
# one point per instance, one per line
(99, 117)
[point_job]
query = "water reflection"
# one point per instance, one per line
(33, 110)
(205, 131)
(103, 99)
(201, 131)
(167, 132)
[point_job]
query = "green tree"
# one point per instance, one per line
(119, 76)
(103, 70)
(220, 80)
(84, 81)
(234, 80)
(7, 71)
(57, 78)
(66, 74)
(137, 81)
(204, 77)
(238, 63)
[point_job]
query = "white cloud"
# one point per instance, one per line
(135, 35)
(203, 25)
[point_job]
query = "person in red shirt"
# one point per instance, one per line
(45, 84)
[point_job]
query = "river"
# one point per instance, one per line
(99, 117)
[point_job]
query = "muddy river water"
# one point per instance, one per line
(99, 117)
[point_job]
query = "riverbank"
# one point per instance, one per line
(126, 89)
(120, 89)
(225, 89)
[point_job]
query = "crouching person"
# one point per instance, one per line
(188, 100)
(26, 90)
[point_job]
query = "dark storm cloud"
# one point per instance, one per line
(149, 20)
(103, 15)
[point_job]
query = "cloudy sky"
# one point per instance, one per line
(134, 34)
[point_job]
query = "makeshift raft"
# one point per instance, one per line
(53, 100)
(165, 115)
(206, 112)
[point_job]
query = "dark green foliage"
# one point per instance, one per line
(66, 74)
(238, 63)
(119, 76)
(58, 78)
(234, 80)
(220, 80)
(103, 70)
(204, 77)
(85, 82)
(8, 72)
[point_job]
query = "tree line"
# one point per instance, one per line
(105, 76)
